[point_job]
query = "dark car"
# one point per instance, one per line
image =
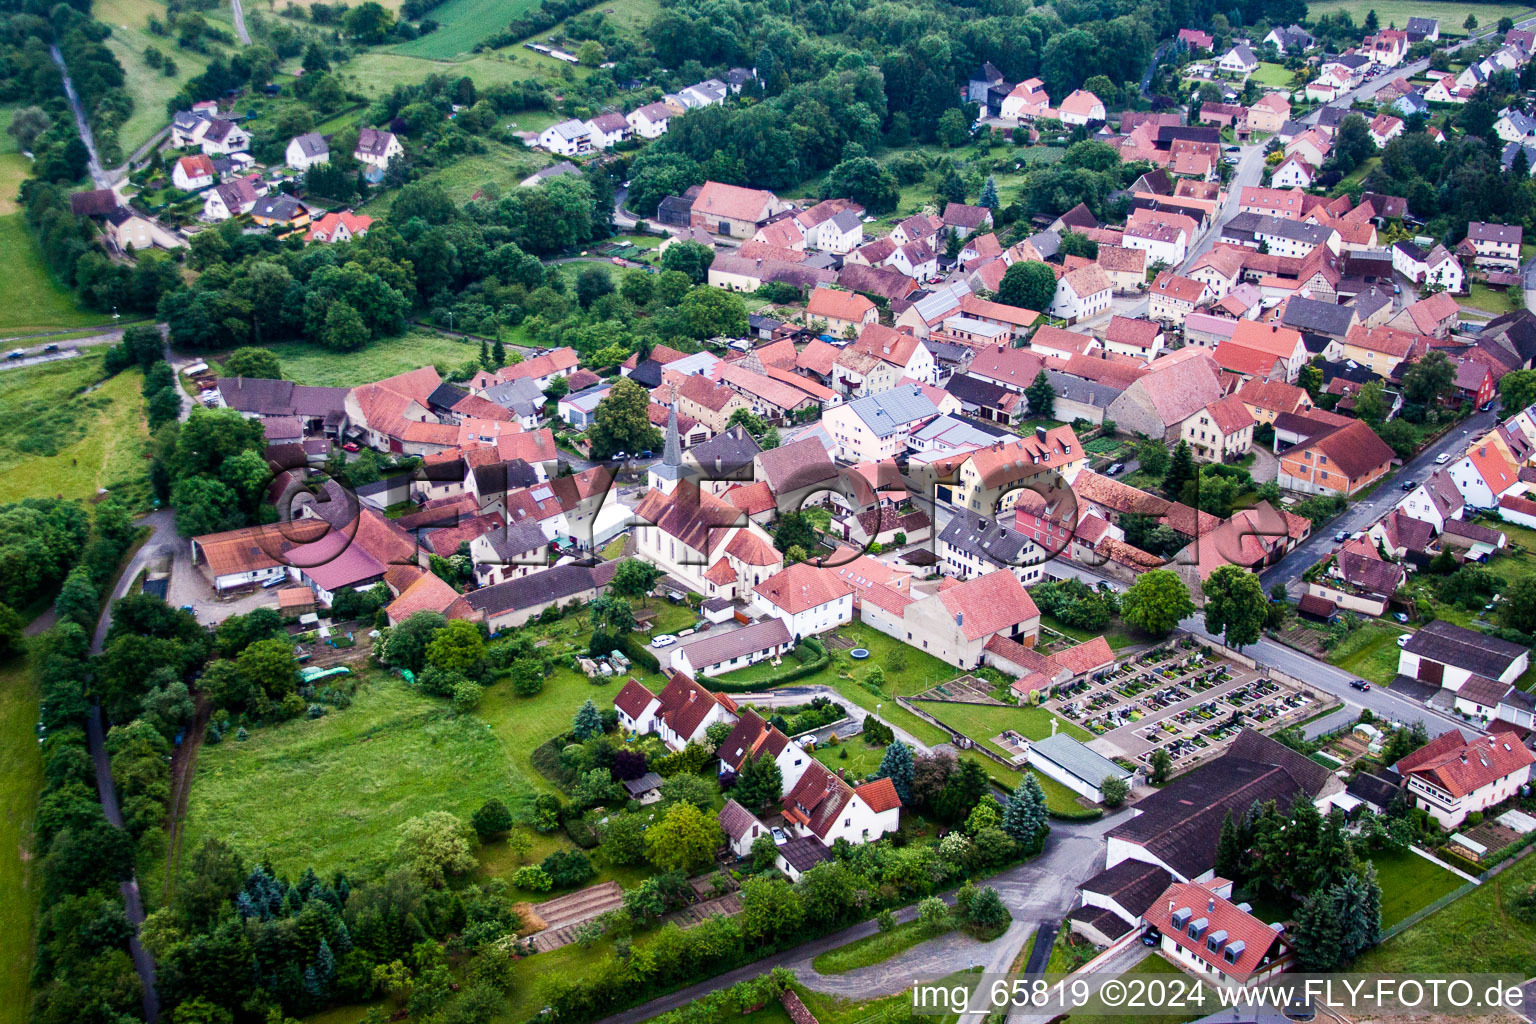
(1409, 485)
(1360, 684)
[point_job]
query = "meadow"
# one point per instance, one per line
(308, 363)
(21, 778)
(1397, 12)
(464, 23)
(62, 435)
(129, 20)
(34, 301)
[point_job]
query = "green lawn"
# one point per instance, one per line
(349, 780)
(463, 23)
(56, 440)
(983, 721)
(34, 301)
(1481, 297)
(1370, 652)
(1409, 882)
(855, 757)
(150, 87)
(375, 73)
(21, 778)
(876, 948)
(311, 364)
(1275, 76)
(1475, 933)
(1118, 636)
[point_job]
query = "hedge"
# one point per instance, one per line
(788, 675)
(581, 833)
(640, 654)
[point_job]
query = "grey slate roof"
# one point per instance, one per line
(312, 144)
(715, 647)
(889, 411)
(985, 539)
(1133, 884)
(1075, 756)
(728, 452)
(1464, 648)
(540, 588)
(1305, 314)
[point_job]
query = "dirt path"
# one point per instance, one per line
(183, 768)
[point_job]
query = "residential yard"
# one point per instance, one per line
(855, 757)
(1370, 652)
(1275, 76)
(1117, 636)
(983, 721)
(58, 437)
(1409, 882)
(1475, 933)
(21, 778)
(1489, 300)
(1154, 966)
(34, 301)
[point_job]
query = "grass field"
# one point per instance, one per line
(1409, 882)
(862, 759)
(376, 72)
(1370, 652)
(1397, 12)
(1481, 297)
(33, 299)
(876, 948)
(150, 88)
(311, 364)
(983, 721)
(54, 440)
(1154, 966)
(349, 780)
(1475, 933)
(1276, 76)
(504, 166)
(463, 23)
(21, 777)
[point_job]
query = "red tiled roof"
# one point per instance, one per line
(1462, 768)
(803, 586)
(633, 699)
(1220, 915)
(989, 604)
(880, 795)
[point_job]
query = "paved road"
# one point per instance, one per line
(99, 176)
(1250, 171)
(1366, 511)
(1042, 889)
(239, 12)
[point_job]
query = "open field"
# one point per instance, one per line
(1475, 933)
(21, 778)
(311, 364)
(56, 441)
(1276, 76)
(376, 72)
(503, 166)
(1397, 12)
(1409, 882)
(150, 87)
(463, 23)
(350, 780)
(34, 301)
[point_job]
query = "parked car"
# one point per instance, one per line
(1114, 469)
(1409, 485)
(1360, 684)
(16, 353)
(1442, 458)
(1403, 638)
(1341, 536)
(351, 446)
(663, 640)
(50, 348)
(1488, 406)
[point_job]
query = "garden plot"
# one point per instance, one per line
(563, 915)
(965, 690)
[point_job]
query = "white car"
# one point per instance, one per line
(1442, 458)
(664, 640)
(1403, 638)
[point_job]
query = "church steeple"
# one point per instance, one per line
(665, 475)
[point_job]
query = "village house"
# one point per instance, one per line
(704, 542)
(338, 226)
(956, 623)
(608, 130)
(649, 121)
(1495, 246)
(567, 138)
(751, 738)
(808, 599)
(680, 714)
(1203, 931)
(1174, 297)
(877, 427)
(192, 173)
(376, 148)
(1082, 294)
(1341, 461)
(307, 150)
(733, 211)
(843, 312)
(1175, 387)
(822, 808)
(1220, 432)
(1451, 777)
(717, 652)
(223, 137)
(229, 199)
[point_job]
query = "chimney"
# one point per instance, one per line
(1210, 905)
(1040, 434)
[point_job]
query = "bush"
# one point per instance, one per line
(567, 868)
(533, 878)
(491, 819)
(581, 833)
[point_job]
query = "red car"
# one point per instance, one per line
(351, 446)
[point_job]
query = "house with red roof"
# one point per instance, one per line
(731, 210)
(705, 542)
(1205, 932)
(338, 226)
(1220, 431)
(827, 808)
(1341, 460)
(1451, 777)
(1484, 475)
(808, 598)
(752, 738)
(679, 714)
(192, 173)
(1174, 297)
(841, 311)
(956, 623)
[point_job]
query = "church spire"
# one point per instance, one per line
(664, 475)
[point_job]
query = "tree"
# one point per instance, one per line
(528, 677)
(622, 422)
(1235, 605)
(1311, 380)
(759, 782)
(1161, 764)
(1025, 816)
(611, 614)
(986, 911)
(1115, 789)
(587, 723)
(1156, 602)
(252, 362)
(1470, 23)
(492, 819)
(1517, 607)
(989, 197)
(1231, 849)
(79, 601)
(689, 258)
(405, 645)
(269, 667)
(1371, 404)
(437, 844)
(11, 628)
(457, 647)
(1181, 470)
(794, 530)
(953, 131)
(623, 838)
(1428, 378)
(1153, 457)
(634, 579)
(27, 124)
(712, 313)
(1517, 390)
(1316, 935)
(897, 765)
(1042, 397)
(863, 180)
(1028, 285)
(685, 840)
(344, 329)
